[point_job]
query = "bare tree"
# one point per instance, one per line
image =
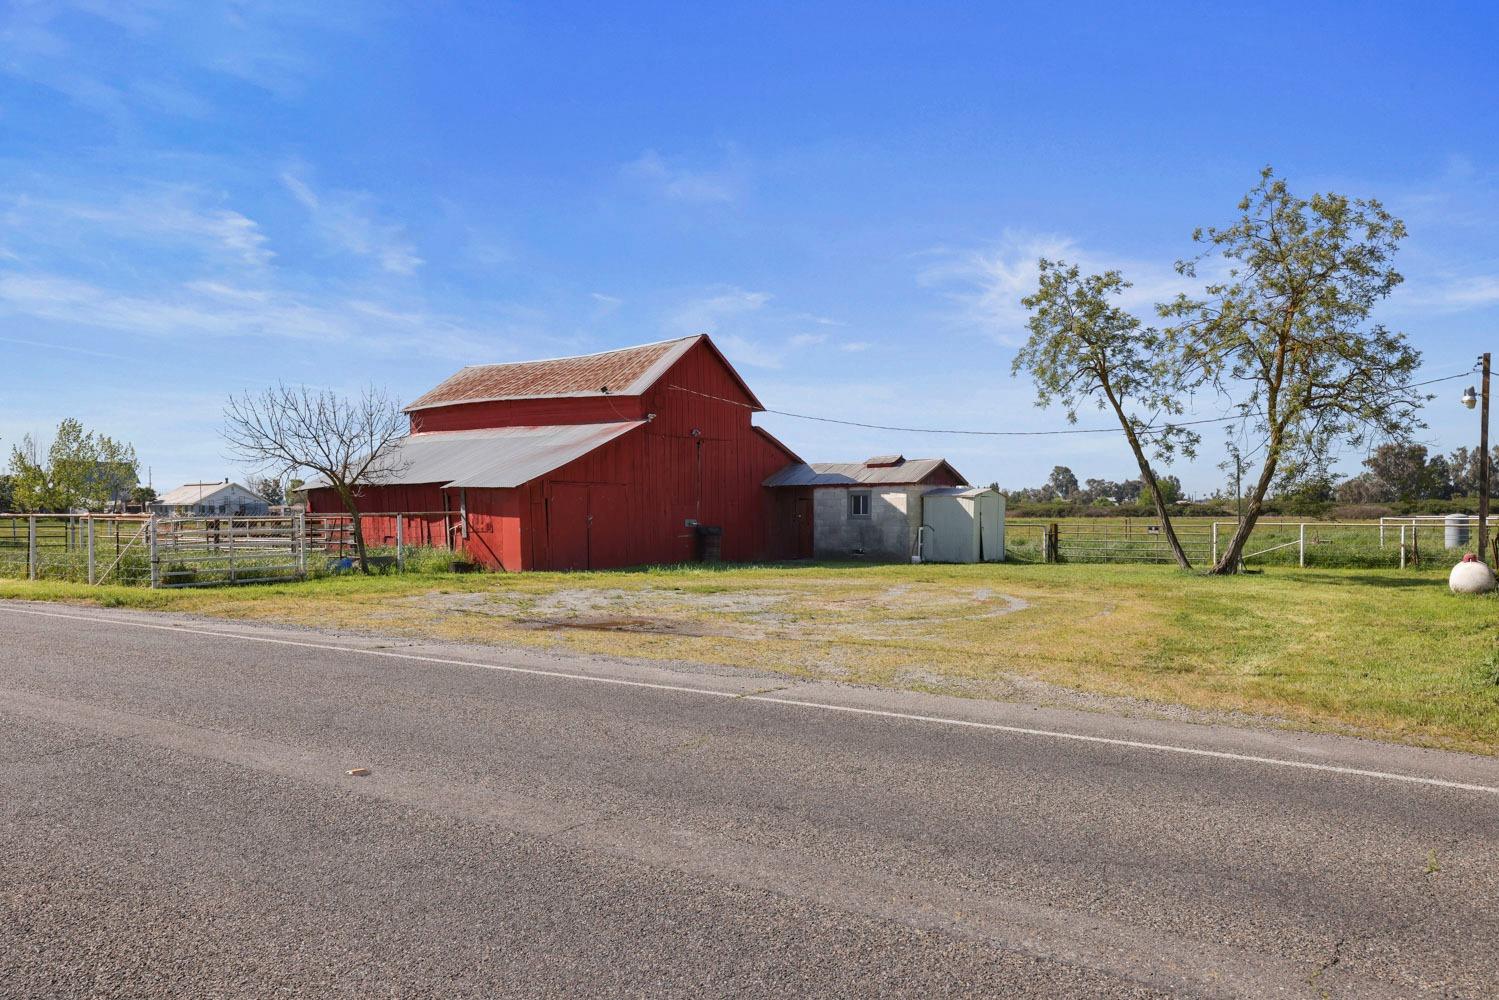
(1085, 349)
(346, 442)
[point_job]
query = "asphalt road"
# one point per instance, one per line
(176, 821)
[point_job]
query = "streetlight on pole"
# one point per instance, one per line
(1470, 399)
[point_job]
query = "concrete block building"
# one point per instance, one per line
(877, 509)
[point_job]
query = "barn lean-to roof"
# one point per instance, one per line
(629, 371)
(490, 458)
(904, 472)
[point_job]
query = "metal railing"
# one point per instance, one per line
(1272, 542)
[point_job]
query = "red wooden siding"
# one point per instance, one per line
(627, 503)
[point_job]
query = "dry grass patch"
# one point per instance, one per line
(1380, 653)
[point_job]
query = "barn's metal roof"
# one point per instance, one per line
(499, 457)
(626, 372)
(909, 471)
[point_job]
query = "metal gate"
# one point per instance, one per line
(212, 551)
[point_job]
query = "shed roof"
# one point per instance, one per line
(189, 494)
(909, 471)
(959, 491)
(498, 457)
(629, 371)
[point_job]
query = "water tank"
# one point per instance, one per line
(1457, 532)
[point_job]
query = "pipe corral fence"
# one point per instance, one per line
(170, 552)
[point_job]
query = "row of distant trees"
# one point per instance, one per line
(84, 470)
(1394, 473)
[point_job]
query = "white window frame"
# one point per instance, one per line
(868, 497)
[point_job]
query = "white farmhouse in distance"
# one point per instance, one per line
(210, 499)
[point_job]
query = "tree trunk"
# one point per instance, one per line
(1148, 478)
(347, 496)
(1229, 562)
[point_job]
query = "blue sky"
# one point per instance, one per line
(205, 197)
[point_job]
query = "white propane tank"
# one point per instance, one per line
(1471, 577)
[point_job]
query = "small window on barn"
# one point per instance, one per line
(858, 503)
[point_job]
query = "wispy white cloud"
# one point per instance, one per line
(985, 285)
(160, 216)
(202, 309)
(711, 312)
(684, 184)
(1447, 293)
(347, 220)
(271, 44)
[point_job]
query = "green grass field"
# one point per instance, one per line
(1380, 653)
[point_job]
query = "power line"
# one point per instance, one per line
(972, 433)
(939, 430)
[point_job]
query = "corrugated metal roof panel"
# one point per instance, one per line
(959, 491)
(191, 494)
(627, 372)
(496, 458)
(909, 472)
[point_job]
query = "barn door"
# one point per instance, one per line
(802, 515)
(568, 526)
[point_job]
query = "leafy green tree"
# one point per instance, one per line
(269, 489)
(1063, 482)
(82, 470)
(1084, 349)
(7, 493)
(1284, 333)
(1463, 469)
(142, 496)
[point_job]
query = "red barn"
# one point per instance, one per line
(612, 459)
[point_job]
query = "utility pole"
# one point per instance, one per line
(1483, 466)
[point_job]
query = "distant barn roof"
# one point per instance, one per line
(906, 471)
(626, 372)
(195, 493)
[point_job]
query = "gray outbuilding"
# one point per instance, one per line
(877, 509)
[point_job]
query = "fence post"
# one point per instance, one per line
(31, 553)
(231, 550)
(401, 542)
(299, 527)
(1301, 547)
(1402, 546)
(89, 523)
(1215, 543)
(153, 555)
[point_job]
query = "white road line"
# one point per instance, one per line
(789, 702)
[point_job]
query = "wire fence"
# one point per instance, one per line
(168, 552)
(1273, 542)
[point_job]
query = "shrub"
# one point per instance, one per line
(1360, 512)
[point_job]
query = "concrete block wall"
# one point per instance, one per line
(887, 534)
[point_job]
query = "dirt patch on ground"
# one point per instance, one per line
(895, 612)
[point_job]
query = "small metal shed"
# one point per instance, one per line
(962, 524)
